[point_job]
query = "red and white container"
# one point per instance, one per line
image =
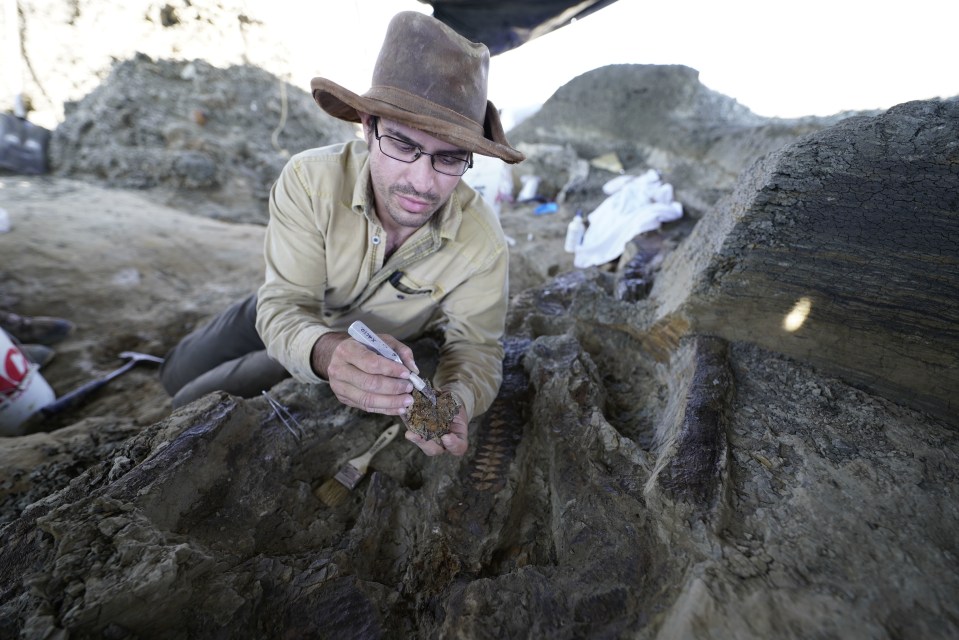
(23, 391)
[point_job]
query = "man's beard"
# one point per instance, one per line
(401, 216)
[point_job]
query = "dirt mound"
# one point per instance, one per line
(203, 139)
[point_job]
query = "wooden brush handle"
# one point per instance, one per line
(363, 461)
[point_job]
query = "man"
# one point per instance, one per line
(385, 232)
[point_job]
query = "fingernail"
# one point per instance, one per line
(408, 400)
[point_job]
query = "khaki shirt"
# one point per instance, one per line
(324, 269)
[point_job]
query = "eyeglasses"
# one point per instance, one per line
(408, 152)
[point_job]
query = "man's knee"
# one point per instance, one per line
(228, 336)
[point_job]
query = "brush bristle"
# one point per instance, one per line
(332, 492)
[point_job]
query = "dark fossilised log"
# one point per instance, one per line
(841, 250)
(693, 449)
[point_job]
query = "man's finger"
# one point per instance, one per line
(454, 444)
(430, 448)
(388, 403)
(403, 351)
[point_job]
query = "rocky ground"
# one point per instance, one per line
(663, 461)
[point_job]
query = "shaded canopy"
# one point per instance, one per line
(506, 24)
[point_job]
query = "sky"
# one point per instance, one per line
(779, 59)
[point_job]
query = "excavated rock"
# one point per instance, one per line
(606, 492)
(656, 117)
(857, 227)
(203, 139)
(653, 467)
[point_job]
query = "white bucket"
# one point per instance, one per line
(23, 391)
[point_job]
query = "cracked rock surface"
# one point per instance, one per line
(664, 459)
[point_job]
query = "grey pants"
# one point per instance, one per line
(226, 354)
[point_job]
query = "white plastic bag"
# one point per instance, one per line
(492, 179)
(637, 204)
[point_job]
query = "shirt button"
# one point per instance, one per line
(375, 239)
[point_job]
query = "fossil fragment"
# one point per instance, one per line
(428, 421)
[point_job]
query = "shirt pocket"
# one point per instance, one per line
(406, 287)
(401, 307)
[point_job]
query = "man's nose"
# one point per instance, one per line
(421, 173)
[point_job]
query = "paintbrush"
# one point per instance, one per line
(335, 490)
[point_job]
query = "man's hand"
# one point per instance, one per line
(363, 379)
(456, 442)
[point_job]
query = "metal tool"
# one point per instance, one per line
(80, 393)
(285, 417)
(362, 334)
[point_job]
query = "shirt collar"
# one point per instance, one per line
(363, 191)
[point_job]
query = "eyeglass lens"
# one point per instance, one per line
(407, 152)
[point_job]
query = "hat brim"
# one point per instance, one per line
(342, 103)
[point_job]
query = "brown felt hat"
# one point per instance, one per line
(430, 78)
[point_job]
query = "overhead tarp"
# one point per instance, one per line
(503, 25)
